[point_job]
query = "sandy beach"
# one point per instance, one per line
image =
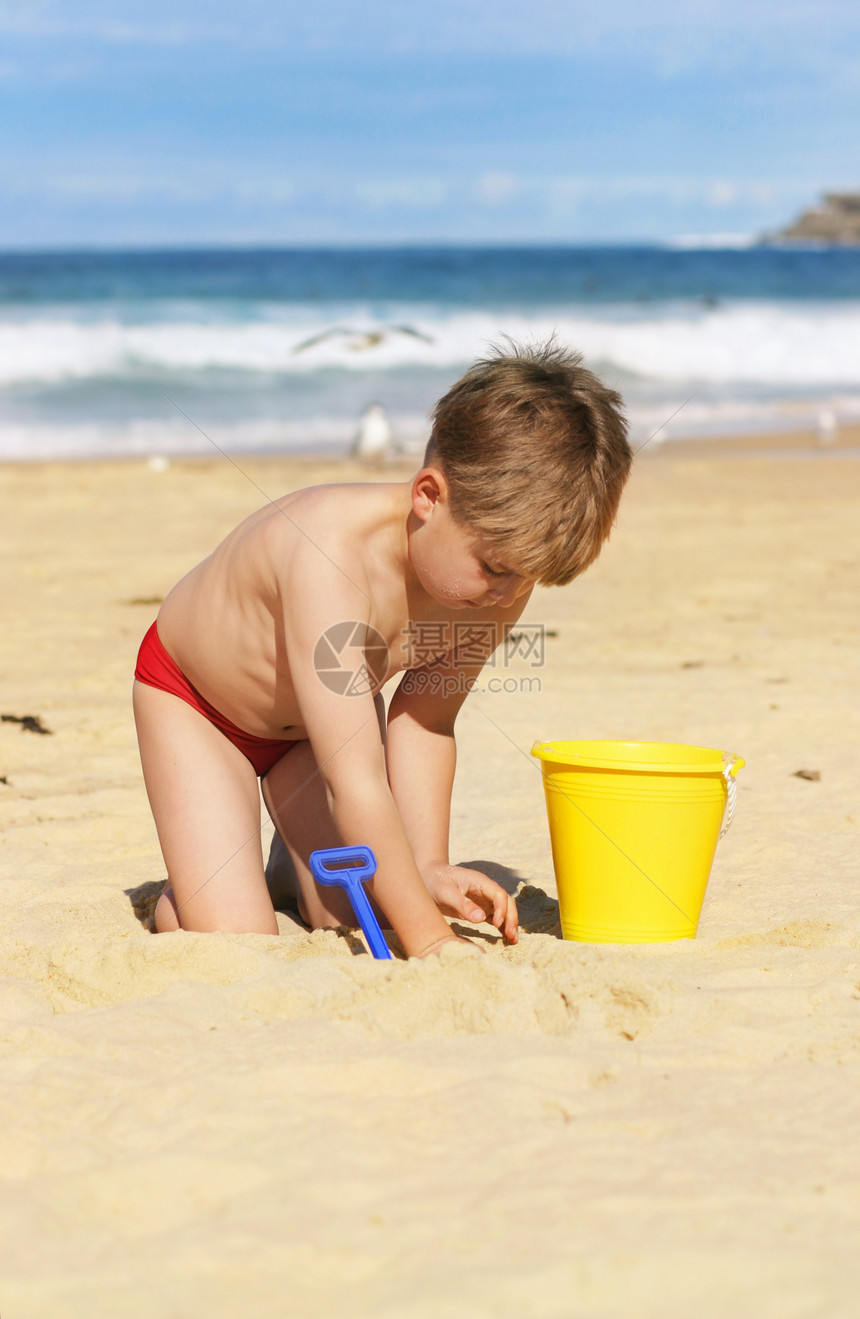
(268, 1126)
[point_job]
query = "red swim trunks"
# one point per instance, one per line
(157, 669)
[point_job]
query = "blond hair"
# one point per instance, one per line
(534, 448)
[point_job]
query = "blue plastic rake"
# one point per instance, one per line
(348, 868)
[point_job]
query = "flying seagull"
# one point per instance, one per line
(360, 340)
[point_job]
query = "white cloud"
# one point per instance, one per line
(562, 194)
(51, 20)
(722, 193)
(420, 194)
(496, 189)
(671, 35)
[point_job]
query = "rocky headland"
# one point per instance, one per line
(835, 220)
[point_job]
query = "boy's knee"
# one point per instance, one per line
(167, 919)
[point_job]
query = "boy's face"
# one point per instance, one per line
(452, 562)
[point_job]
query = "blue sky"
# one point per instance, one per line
(455, 120)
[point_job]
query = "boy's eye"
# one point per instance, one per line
(493, 572)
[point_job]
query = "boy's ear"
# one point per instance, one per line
(429, 489)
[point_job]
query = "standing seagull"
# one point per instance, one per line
(373, 443)
(828, 428)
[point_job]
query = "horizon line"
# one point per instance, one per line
(683, 242)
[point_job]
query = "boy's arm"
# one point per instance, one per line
(421, 762)
(344, 733)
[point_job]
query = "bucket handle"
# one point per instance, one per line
(731, 765)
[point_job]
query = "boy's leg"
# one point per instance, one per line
(206, 806)
(281, 878)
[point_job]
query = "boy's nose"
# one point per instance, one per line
(507, 592)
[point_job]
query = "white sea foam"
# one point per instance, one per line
(76, 384)
(174, 436)
(758, 344)
(734, 242)
(650, 424)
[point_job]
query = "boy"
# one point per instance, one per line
(269, 656)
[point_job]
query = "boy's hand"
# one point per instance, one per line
(472, 896)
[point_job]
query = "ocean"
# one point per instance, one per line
(281, 350)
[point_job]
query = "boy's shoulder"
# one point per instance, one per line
(327, 536)
(340, 503)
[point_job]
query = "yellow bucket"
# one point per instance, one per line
(634, 827)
